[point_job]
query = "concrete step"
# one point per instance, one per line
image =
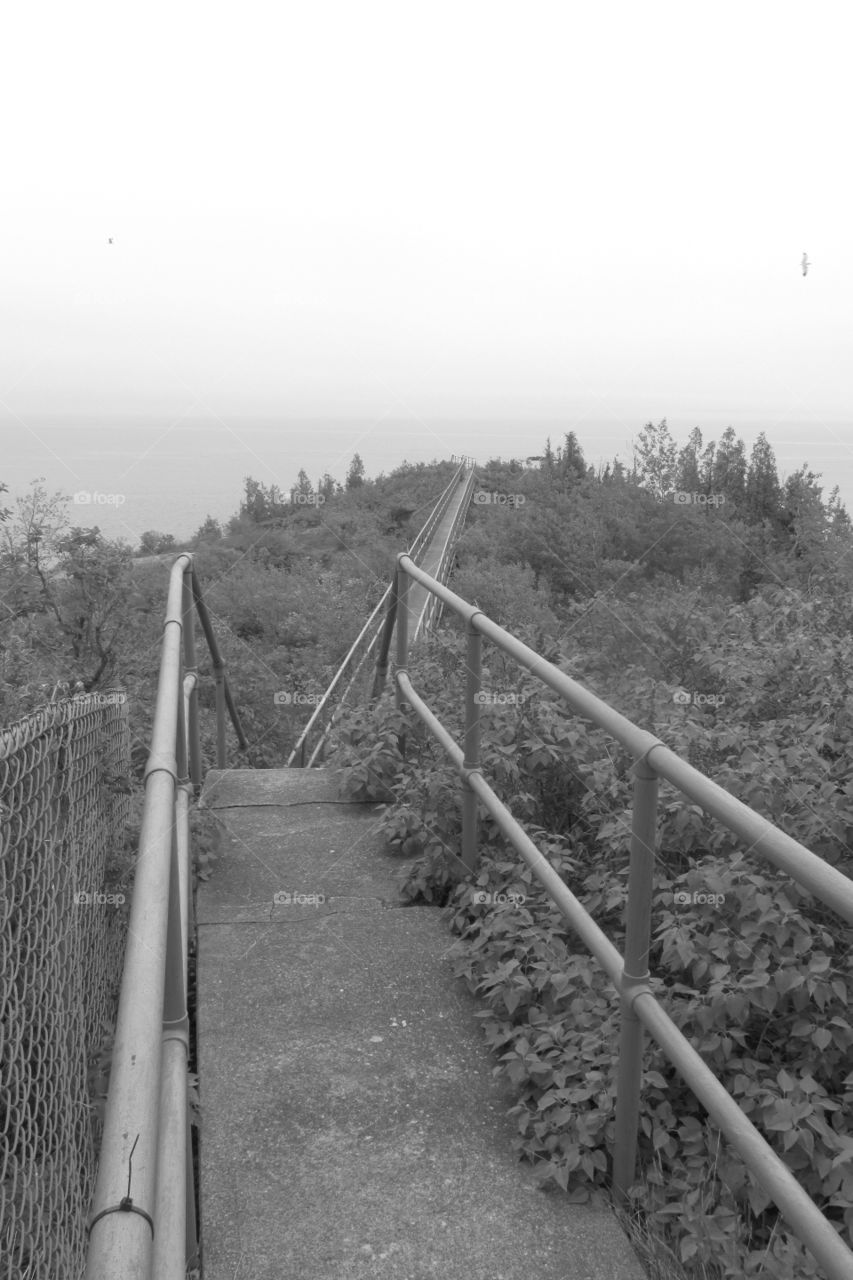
(352, 1127)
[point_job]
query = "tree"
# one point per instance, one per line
(548, 458)
(763, 492)
(729, 469)
(69, 587)
(210, 531)
(688, 476)
(328, 487)
(571, 459)
(260, 503)
(153, 543)
(302, 488)
(355, 475)
(655, 460)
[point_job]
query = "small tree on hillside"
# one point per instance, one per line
(655, 459)
(763, 491)
(210, 531)
(355, 475)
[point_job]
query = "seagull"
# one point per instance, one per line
(111, 240)
(806, 263)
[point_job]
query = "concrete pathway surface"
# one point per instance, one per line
(352, 1127)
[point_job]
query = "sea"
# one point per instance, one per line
(129, 474)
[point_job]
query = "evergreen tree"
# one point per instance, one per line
(729, 473)
(572, 464)
(548, 459)
(302, 488)
(355, 475)
(706, 468)
(688, 477)
(763, 491)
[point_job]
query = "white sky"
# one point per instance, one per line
(590, 214)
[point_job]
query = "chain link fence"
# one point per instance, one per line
(65, 806)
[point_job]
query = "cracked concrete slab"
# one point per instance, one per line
(352, 1124)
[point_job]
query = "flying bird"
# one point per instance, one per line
(111, 239)
(806, 263)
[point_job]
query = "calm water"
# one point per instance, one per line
(141, 473)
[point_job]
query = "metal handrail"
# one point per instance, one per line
(629, 973)
(431, 616)
(142, 1225)
(421, 540)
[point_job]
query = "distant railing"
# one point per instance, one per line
(629, 973)
(142, 1224)
(320, 723)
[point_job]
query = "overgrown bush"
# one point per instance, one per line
(753, 971)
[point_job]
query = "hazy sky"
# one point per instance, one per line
(412, 215)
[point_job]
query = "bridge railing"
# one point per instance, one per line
(320, 723)
(629, 973)
(142, 1223)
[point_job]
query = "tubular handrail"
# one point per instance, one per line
(431, 615)
(420, 541)
(142, 1224)
(629, 973)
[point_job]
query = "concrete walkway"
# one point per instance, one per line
(352, 1127)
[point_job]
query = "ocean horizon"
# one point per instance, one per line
(131, 474)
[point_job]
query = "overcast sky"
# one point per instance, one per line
(409, 216)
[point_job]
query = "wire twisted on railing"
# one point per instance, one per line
(629, 974)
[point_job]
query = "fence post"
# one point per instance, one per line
(635, 970)
(472, 744)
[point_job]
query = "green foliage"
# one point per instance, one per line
(754, 971)
(723, 627)
(153, 543)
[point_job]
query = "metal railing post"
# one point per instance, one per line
(219, 673)
(381, 672)
(190, 668)
(635, 972)
(401, 590)
(472, 745)
(173, 1214)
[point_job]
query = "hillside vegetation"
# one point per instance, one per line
(702, 595)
